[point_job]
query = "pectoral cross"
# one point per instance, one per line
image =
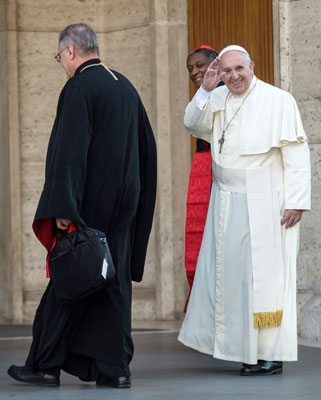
(221, 142)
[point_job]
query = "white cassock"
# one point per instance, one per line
(246, 270)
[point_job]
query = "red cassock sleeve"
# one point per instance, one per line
(45, 230)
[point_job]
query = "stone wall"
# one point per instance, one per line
(5, 278)
(147, 41)
(298, 27)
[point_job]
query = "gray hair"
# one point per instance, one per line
(81, 36)
(247, 57)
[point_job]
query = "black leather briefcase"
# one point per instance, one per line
(80, 264)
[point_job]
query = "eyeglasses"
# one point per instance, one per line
(58, 55)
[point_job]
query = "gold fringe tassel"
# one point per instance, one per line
(268, 319)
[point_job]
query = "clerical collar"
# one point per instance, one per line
(240, 96)
(85, 64)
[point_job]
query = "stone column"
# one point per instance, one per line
(311, 315)
(170, 95)
(5, 305)
(297, 29)
(10, 208)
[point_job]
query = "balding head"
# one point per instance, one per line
(77, 44)
(82, 37)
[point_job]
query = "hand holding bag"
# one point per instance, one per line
(80, 264)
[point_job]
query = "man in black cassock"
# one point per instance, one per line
(100, 171)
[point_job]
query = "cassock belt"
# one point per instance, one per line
(261, 186)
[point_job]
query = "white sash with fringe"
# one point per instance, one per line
(261, 186)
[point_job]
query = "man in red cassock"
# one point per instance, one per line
(200, 179)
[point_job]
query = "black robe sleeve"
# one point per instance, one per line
(145, 211)
(67, 157)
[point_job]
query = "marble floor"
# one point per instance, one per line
(165, 369)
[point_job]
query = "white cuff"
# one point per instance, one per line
(202, 97)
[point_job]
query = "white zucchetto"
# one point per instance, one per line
(233, 47)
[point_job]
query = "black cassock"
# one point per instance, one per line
(100, 170)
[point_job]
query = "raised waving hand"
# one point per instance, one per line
(212, 76)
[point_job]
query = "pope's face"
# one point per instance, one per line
(238, 71)
(197, 65)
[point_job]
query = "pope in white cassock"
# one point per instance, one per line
(243, 302)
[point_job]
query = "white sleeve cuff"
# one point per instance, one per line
(202, 97)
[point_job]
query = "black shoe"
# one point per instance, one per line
(122, 382)
(23, 374)
(262, 368)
